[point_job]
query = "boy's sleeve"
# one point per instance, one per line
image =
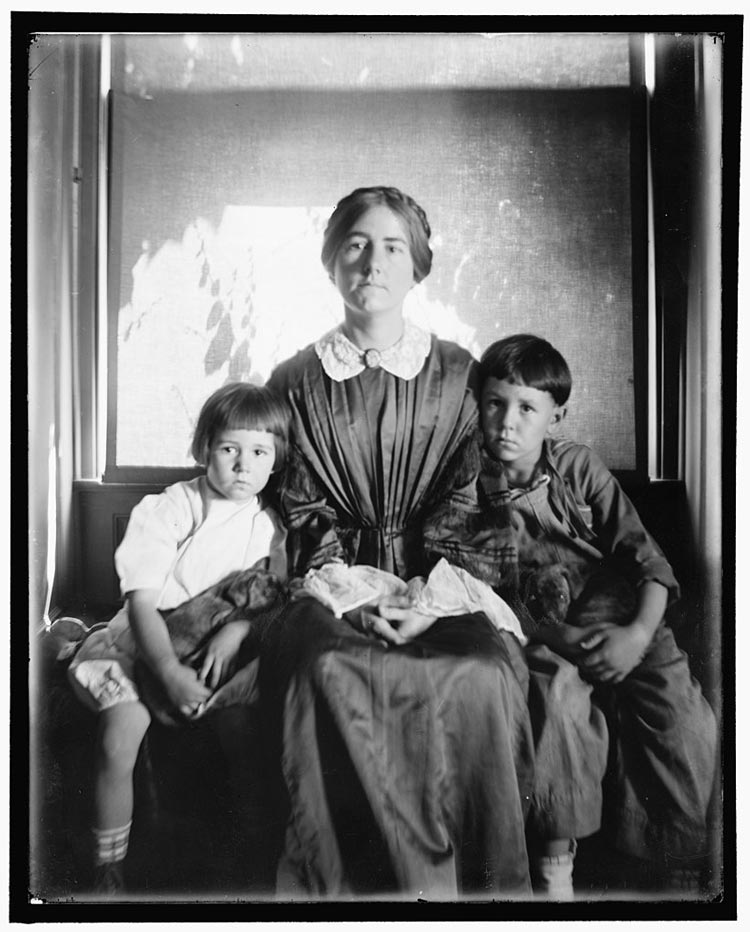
(621, 532)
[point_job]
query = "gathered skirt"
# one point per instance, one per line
(401, 769)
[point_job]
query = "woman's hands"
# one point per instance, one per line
(220, 658)
(393, 620)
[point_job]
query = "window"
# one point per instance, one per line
(228, 153)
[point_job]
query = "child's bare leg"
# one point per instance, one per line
(121, 731)
(120, 734)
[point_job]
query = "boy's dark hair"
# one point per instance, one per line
(350, 208)
(529, 360)
(241, 406)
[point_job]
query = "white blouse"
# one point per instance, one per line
(188, 537)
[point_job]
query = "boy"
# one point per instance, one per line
(564, 510)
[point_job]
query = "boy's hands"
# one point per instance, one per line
(613, 651)
(183, 687)
(565, 639)
(221, 653)
(607, 652)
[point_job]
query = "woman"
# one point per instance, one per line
(403, 740)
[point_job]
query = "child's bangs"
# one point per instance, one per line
(248, 420)
(251, 413)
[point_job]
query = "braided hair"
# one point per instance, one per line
(350, 208)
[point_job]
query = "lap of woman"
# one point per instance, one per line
(404, 767)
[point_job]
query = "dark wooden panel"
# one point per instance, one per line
(102, 512)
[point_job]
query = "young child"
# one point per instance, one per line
(177, 544)
(563, 507)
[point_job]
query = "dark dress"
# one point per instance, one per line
(404, 770)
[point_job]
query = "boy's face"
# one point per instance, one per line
(515, 421)
(240, 462)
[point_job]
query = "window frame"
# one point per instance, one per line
(99, 388)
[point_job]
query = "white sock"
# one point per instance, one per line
(553, 875)
(111, 844)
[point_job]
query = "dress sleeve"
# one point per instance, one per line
(311, 522)
(313, 535)
(157, 527)
(457, 528)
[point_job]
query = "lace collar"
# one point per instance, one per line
(341, 359)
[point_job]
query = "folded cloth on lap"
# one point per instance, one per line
(448, 591)
(343, 588)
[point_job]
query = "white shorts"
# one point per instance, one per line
(102, 672)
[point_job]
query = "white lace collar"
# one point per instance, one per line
(341, 359)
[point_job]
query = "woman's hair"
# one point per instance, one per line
(350, 208)
(528, 360)
(240, 406)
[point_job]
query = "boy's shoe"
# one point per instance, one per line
(552, 875)
(685, 881)
(109, 879)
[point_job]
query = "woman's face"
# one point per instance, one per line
(374, 269)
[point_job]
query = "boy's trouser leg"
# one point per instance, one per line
(570, 743)
(663, 763)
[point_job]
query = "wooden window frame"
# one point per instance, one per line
(98, 368)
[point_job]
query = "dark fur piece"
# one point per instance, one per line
(254, 594)
(606, 596)
(546, 593)
(558, 593)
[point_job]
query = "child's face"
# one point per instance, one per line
(515, 421)
(240, 462)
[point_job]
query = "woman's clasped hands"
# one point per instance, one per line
(393, 620)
